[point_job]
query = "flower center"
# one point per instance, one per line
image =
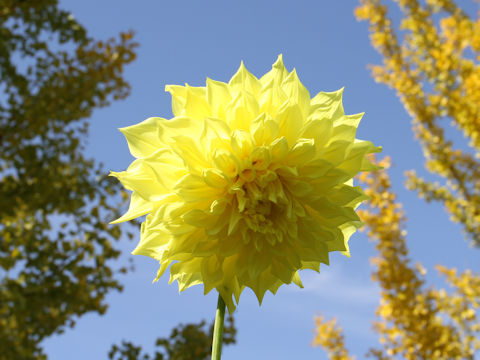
(260, 199)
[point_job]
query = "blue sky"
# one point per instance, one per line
(186, 41)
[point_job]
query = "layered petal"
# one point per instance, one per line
(248, 184)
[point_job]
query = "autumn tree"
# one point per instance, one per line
(415, 322)
(434, 68)
(56, 249)
(435, 71)
(186, 342)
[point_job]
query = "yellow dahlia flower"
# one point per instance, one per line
(248, 183)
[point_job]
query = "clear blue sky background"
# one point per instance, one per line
(186, 41)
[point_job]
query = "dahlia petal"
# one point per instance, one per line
(336, 152)
(272, 97)
(298, 188)
(303, 151)
(355, 161)
(317, 253)
(152, 243)
(218, 95)
(181, 248)
(296, 280)
(290, 122)
(235, 218)
(186, 273)
(163, 267)
(214, 129)
(167, 167)
(242, 144)
(179, 94)
(188, 280)
(227, 297)
(330, 179)
(219, 206)
(143, 138)
(265, 282)
(277, 74)
(295, 91)
(315, 169)
(196, 105)
(249, 183)
(226, 163)
(187, 150)
(214, 178)
(138, 207)
(206, 248)
(192, 188)
(312, 265)
(279, 149)
(329, 210)
(257, 265)
(348, 230)
(220, 225)
(229, 245)
(328, 104)
(199, 218)
(337, 244)
(318, 129)
(141, 178)
(261, 158)
(346, 127)
(188, 101)
(243, 80)
(241, 110)
(232, 285)
(345, 195)
(168, 129)
(264, 129)
(367, 148)
(282, 272)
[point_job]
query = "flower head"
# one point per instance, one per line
(247, 184)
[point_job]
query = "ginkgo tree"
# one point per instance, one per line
(414, 321)
(436, 77)
(56, 249)
(435, 70)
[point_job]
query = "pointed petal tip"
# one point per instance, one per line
(279, 61)
(346, 253)
(172, 88)
(260, 299)
(114, 222)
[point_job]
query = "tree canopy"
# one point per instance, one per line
(432, 62)
(55, 246)
(436, 78)
(186, 342)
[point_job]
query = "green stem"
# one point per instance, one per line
(218, 329)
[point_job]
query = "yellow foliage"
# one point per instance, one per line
(330, 337)
(414, 322)
(436, 77)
